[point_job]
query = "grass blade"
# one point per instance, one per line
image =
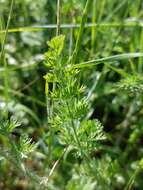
(110, 58)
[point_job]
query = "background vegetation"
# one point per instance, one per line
(55, 140)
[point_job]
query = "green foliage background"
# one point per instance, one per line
(113, 88)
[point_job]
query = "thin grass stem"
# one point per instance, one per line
(2, 58)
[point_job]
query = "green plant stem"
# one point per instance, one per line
(50, 101)
(6, 31)
(140, 65)
(58, 17)
(2, 58)
(132, 179)
(93, 29)
(54, 167)
(79, 38)
(57, 33)
(71, 25)
(95, 62)
(76, 137)
(71, 42)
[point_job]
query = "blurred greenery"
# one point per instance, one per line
(113, 89)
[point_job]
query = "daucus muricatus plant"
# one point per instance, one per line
(70, 106)
(133, 83)
(100, 80)
(15, 148)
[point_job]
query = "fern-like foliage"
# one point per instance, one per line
(25, 146)
(8, 126)
(100, 176)
(12, 149)
(70, 106)
(132, 84)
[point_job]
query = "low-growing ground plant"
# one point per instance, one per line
(85, 130)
